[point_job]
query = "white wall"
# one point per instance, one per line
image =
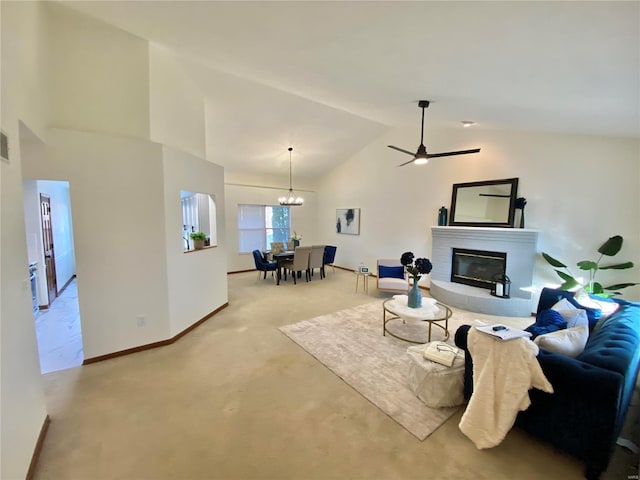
(22, 405)
(66, 70)
(580, 191)
(117, 200)
(32, 221)
(25, 75)
(177, 106)
(198, 279)
(303, 218)
(33, 226)
(22, 400)
(99, 75)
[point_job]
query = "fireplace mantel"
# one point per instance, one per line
(520, 245)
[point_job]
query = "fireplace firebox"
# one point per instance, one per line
(478, 268)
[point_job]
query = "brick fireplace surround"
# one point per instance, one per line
(519, 244)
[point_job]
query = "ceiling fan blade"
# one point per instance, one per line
(402, 150)
(407, 163)
(449, 154)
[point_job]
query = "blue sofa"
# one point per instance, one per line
(585, 414)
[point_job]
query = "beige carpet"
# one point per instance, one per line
(350, 343)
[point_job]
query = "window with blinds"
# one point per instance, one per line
(259, 225)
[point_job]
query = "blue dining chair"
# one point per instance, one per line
(329, 257)
(262, 265)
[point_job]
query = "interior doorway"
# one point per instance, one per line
(51, 249)
(52, 263)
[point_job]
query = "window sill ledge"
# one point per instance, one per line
(199, 249)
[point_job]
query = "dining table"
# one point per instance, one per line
(280, 258)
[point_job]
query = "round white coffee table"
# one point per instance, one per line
(431, 313)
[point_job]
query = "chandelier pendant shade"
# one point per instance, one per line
(291, 199)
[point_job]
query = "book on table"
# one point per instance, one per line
(503, 332)
(440, 352)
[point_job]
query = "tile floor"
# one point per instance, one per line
(59, 334)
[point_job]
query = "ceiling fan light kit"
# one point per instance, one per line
(291, 199)
(421, 156)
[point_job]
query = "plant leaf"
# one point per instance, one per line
(568, 285)
(569, 281)
(618, 266)
(553, 261)
(597, 288)
(607, 295)
(618, 286)
(587, 265)
(565, 276)
(611, 246)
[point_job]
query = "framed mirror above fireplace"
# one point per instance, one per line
(490, 203)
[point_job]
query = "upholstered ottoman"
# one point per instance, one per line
(435, 384)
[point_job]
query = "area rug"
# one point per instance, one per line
(350, 343)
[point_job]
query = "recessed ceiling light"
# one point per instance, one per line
(467, 123)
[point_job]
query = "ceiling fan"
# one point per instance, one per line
(421, 156)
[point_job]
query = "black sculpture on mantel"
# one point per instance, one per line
(519, 205)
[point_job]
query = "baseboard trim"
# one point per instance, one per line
(38, 448)
(161, 343)
(242, 271)
(198, 323)
(66, 284)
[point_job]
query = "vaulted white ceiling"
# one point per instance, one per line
(329, 77)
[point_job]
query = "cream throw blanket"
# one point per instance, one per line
(503, 373)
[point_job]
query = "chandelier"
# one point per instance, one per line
(291, 199)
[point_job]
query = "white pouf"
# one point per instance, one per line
(436, 385)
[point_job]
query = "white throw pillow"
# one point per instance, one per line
(607, 308)
(570, 342)
(583, 298)
(571, 314)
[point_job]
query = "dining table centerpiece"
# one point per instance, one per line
(416, 267)
(295, 238)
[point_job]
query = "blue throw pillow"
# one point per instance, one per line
(550, 296)
(391, 272)
(547, 321)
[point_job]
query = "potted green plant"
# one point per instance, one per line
(198, 239)
(609, 248)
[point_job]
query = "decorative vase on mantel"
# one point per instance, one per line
(296, 244)
(414, 298)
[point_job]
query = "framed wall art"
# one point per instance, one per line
(348, 221)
